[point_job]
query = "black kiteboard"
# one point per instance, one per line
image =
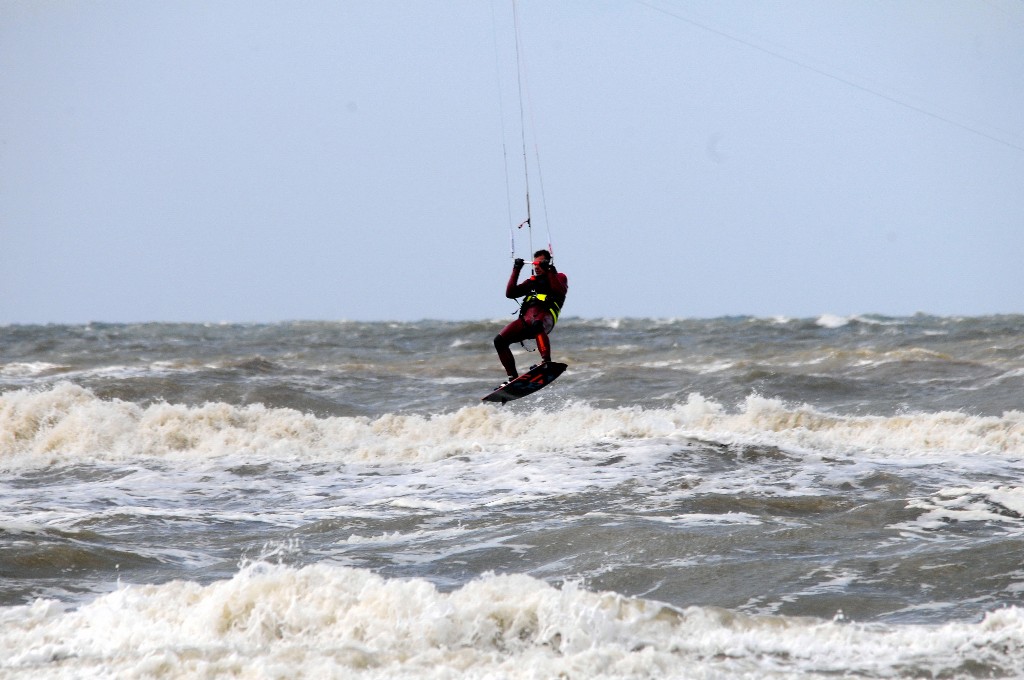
(528, 383)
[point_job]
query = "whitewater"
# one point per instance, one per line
(693, 498)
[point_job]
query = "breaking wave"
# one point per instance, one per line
(68, 423)
(339, 622)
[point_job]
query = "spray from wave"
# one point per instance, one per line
(328, 621)
(69, 423)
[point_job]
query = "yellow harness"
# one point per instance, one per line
(551, 305)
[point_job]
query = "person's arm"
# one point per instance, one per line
(511, 289)
(559, 284)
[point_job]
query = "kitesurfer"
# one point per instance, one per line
(545, 294)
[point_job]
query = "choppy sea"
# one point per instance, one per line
(828, 497)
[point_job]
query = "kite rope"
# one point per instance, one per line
(504, 146)
(525, 104)
(522, 122)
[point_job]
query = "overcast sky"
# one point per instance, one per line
(260, 161)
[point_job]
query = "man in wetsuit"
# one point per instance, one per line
(545, 294)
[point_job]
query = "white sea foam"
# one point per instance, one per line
(68, 423)
(28, 369)
(836, 321)
(997, 506)
(832, 321)
(325, 621)
(705, 519)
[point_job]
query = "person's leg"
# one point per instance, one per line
(516, 331)
(540, 323)
(543, 346)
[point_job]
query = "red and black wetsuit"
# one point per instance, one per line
(545, 294)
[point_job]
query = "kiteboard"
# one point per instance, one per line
(528, 383)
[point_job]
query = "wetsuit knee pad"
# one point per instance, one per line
(500, 342)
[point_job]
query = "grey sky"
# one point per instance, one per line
(260, 161)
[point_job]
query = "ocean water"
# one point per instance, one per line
(718, 498)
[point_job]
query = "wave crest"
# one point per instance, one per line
(68, 423)
(328, 621)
